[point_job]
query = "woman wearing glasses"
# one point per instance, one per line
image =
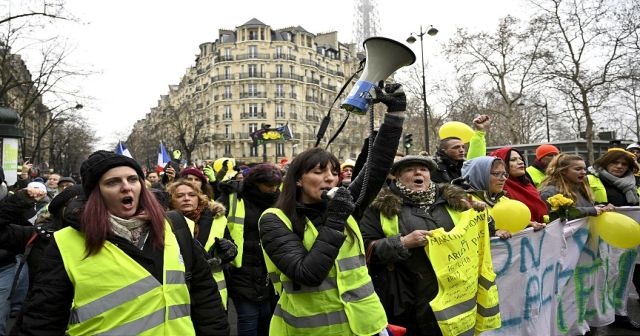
(486, 177)
(519, 186)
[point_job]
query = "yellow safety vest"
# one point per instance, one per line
(345, 303)
(465, 304)
(536, 174)
(235, 222)
(114, 295)
(217, 230)
(487, 314)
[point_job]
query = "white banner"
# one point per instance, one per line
(558, 281)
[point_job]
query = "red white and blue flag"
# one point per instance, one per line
(163, 157)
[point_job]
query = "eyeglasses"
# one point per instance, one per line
(499, 175)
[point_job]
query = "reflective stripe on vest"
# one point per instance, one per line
(465, 304)
(235, 222)
(217, 231)
(345, 303)
(127, 300)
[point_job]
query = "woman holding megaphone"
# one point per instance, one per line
(313, 245)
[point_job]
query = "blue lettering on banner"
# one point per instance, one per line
(507, 264)
(525, 245)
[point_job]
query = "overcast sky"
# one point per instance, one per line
(138, 48)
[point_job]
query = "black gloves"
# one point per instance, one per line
(339, 209)
(393, 96)
(222, 252)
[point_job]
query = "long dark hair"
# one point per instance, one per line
(97, 227)
(302, 164)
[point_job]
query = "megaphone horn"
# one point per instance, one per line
(383, 57)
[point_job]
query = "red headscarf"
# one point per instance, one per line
(521, 188)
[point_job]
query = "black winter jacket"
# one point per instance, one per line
(46, 310)
(419, 284)
(15, 211)
(251, 281)
(285, 247)
(447, 170)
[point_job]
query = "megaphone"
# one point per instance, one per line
(383, 57)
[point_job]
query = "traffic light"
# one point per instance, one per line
(408, 142)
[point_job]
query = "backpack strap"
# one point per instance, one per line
(185, 240)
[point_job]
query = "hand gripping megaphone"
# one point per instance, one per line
(383, 57)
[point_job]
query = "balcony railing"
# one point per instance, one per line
(311, 99)
(312, 80)
(223, 136)
(245, 75)
(224, 58)
(308, 62)
(253, 95)
(253, 56)
(293, 95)
(284, 57)
(253, 115)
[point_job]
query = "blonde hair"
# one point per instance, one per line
(554, 177)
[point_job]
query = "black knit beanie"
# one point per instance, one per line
(266, 173)
(99, 162)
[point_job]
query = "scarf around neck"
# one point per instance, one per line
(422, 198)
(134, 230)
(626, 184)
(521, 189)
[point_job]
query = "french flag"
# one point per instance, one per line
(163, 158)
(122, 150)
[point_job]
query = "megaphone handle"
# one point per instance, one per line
(323, 128)
(367, 170)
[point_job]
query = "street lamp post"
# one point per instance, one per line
(431, 32)
(265, 127)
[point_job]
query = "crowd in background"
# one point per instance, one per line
(291, 254)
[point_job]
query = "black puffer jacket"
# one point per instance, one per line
(16, 209)
(46, 310)
(419, 284)
(285, 248)
(447, 170)
(251, 281)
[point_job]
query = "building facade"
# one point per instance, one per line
(249, 78)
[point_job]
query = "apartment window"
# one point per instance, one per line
(292, 70)
(253, 70)
(253, 35)
(227, 150)
(227, 53)
(227, 92)
(253, 128)
(278, 51)
(279, 110)
(253, 150)
(279, 90)
(253, 110)
(253, 51)
(279, 149)
(227, 131)
(278, 70)
(227, 112)
(252, 89)
(227, 72)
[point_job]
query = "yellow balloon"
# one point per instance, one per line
(456, 129)
(617, 230)
(510, 215)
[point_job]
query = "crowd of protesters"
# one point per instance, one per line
(306, 246)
